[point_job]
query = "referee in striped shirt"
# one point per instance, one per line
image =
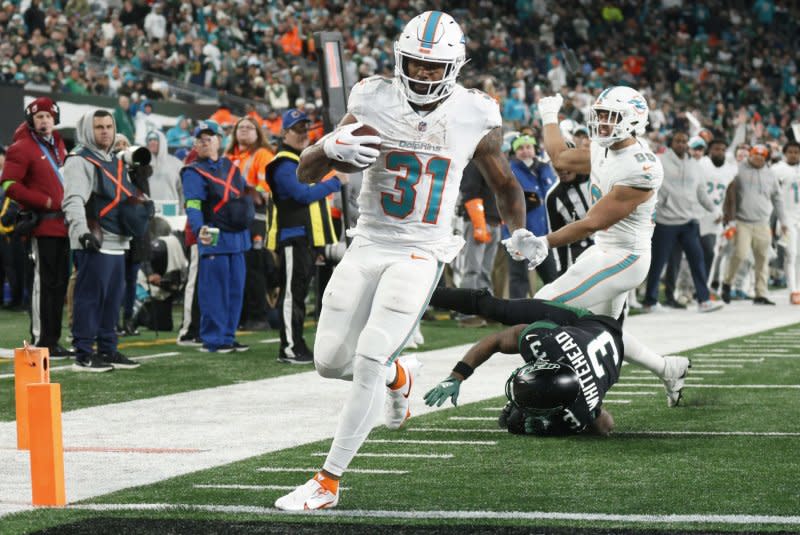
(568, 200)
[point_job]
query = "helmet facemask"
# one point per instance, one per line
(614, 121)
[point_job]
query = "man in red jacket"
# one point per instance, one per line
(32, 178)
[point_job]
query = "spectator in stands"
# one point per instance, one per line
(749, 201)
(180, 136)
(220, 212)
(145, 122)
(32, 177)
(676, 213)
(165, 183)
(301, 222)
(102, 219)
(481, 233)
(536, 178)
(251, 153)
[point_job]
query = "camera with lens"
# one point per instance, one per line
(135, 156)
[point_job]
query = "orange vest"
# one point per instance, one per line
(252, 166)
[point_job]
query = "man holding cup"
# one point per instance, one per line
(220, 212)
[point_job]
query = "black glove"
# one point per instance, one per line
(89, 242)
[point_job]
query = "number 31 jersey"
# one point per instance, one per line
(409, 194)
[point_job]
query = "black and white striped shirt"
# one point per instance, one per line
(567, 202)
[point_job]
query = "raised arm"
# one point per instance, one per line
(494, 167)
(563, 158)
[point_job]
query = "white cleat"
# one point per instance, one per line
(397, 401)
(675, 371)
(308, 497)
(709, 306)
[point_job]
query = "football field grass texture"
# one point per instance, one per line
(727, 459)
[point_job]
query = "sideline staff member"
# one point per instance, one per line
(220, 211)
(301, 219)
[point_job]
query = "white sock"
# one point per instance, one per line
(638, 353)
(391, 373)
(360, 412)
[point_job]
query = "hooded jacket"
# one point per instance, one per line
(80, 178)
(165, 183)
(178, 137)
(681, 190)
(758, 192)
(29, 179)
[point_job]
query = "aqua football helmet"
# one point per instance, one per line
(433, 37)
(627, 115)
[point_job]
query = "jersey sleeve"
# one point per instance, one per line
(642, 170)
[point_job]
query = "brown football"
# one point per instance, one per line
(363, 130)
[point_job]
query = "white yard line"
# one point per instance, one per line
(732, 519)
(688, 385)
(311, 471)
(252, 487)
(397, 455)
(434, 442)
(619, 401)
(302, 408)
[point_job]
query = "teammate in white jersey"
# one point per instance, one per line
(429, 127)
(625, 176)
(788, 171)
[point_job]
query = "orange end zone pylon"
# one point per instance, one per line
(31, 365)
(47, 449)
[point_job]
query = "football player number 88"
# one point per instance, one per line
(401, 203)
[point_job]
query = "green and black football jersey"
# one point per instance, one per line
(592, 345)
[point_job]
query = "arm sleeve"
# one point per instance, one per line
(703, 197)
(78, 186)
(287, 185)
(14, 171)
(777, 201)
(194, 190)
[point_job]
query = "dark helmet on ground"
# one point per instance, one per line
(542, 387)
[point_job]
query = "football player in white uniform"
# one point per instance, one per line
(430, 127)
(625, 177)
(788, 171)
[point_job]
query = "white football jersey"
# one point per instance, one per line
(789, 176)
(408, 196)
(635, 166)
(716, 180)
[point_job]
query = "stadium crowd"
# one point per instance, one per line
(715, 71)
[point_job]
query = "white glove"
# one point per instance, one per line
(549, 107)
(524, 245)
(343, 146)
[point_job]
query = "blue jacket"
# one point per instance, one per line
(196, 188)
(535, 182)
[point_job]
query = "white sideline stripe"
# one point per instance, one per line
(269, 341)
(69, 366)
(696, 366)
(492, 408)
(760, 349)
(764, 355)
(472, 418)
(627, 393)
(692, 372)
(619, 401)
(725, 360)
(393, 455)
(454, 430)
(458, 515)
(711, 433)
(654, 385)
(252, 487)
(315, 470)
(435, 442)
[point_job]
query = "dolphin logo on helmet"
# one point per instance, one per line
(627, 115)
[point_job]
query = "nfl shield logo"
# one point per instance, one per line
(422, 126)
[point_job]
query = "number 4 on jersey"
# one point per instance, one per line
(401, 203)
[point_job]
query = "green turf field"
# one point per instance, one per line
(726, 460)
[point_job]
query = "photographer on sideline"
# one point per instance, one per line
(301, 221)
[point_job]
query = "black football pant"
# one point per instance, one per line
(297, 270)
(51, 275)
(505, 311)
